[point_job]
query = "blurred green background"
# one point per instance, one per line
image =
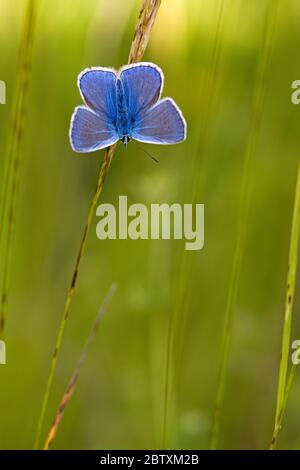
(210, 71)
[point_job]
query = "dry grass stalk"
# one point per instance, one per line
(140, 40)
(74, 378)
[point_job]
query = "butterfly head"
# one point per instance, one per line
(125, 139)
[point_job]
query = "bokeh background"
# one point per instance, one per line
(209, 57)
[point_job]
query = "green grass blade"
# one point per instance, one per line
(242, 216)
(278, 424)
(286, 334)
(176, 322)
(12, 173)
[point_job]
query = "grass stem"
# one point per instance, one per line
(12, 170)
(269, 21)
(141, 38)
(74, 378)
(176, 324)
(283, 389)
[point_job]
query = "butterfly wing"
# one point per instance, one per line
(142, 86)
(90, 132)
(161, 124)
(93, 127)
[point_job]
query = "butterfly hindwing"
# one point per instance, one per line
(161, 124)
(90, 132)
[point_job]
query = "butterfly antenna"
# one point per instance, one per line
(148, 154)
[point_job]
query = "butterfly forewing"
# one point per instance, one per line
(98, 89)
(161, 124)
(142, 85)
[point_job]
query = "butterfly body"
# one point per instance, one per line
(123, 122)
(124, 106)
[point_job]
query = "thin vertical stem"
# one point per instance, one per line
(278, 424)
(103, 171)
(269, 21)
(210, 92)
(12, 173)
(290, 291)
(141, 38)
(169, 377)
(75, 376)
(176, 320)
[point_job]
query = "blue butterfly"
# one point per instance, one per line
(122, 106)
